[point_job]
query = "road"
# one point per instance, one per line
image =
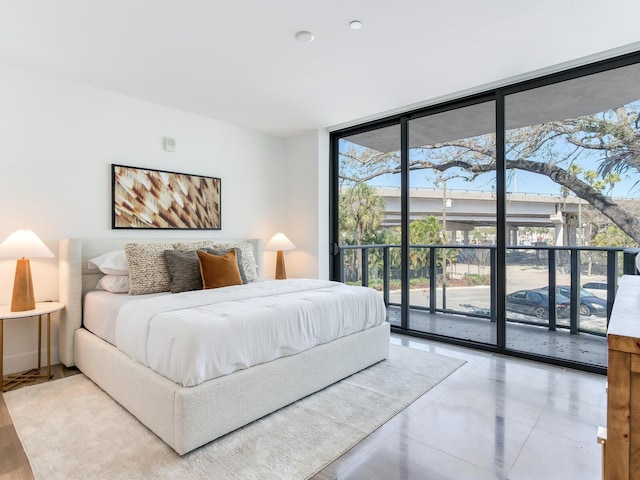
(477, 298)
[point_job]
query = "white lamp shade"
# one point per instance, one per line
(279, 242)
(24, 244)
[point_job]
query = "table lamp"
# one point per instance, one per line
(22, 244)
(278, 243)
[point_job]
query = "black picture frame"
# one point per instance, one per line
(145, 198)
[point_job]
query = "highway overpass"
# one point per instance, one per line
(463, 210)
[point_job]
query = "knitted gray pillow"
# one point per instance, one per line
(184, 270)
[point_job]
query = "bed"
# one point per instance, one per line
(187, 417)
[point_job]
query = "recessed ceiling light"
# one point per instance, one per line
(304, 36)
(355, 24)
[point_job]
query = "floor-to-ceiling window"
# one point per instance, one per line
(369, 209)
(572, 156)
(452, 221)
(498, 219)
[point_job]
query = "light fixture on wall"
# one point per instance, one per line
(169, 144)
(278, 243)
(304, 36)
(23, 244)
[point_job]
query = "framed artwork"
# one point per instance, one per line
(155, 199)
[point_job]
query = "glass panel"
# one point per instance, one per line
(593, 290)
(368, 216)
(572, 197)
(453, 222)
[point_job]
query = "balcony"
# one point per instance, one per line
(548, 311)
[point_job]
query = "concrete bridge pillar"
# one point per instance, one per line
(571, 227)
(512, 235)
(559, 239)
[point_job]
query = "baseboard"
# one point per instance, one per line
(28, 360)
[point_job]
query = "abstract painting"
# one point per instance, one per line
(156, 199)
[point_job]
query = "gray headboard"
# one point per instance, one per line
(75, 279)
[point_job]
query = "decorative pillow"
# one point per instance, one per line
(193, 246)
(219, 270)
(114, 283)
(184, 270)
(110, 263)
(147, 268)
(222, 251)
(248, 259)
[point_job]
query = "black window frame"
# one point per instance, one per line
(497, 95)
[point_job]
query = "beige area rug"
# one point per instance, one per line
(71, 429)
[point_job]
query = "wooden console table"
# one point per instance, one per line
(622, 451)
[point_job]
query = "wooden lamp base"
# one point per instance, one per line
(281, 273)
(23, 298)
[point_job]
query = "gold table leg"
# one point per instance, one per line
(30, 375)
(39, 339)
(48, 345)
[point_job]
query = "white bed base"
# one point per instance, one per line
(188, 417)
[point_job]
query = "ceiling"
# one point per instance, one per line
(573, 98)
(239, 62)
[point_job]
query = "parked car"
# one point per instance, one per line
(536, 302)
(589, 303)
(599, 289)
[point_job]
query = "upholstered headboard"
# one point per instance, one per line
(75, 279)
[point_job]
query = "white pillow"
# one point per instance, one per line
(110, 263)
(114, 283)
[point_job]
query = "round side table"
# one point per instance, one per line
(42, 308)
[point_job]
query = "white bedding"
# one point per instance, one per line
(100, 311)
(195, 336)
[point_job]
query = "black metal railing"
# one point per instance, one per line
(365, 259)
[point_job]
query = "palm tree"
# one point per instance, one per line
(426, 231)
(360, 212)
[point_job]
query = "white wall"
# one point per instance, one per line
(57, 143)
(307, 205)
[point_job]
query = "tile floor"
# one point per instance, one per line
(497, 417)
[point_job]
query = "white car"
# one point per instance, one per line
(599, 289)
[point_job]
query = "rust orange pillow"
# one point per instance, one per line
(219, 270)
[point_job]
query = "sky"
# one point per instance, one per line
(518, 181)
(554, 148)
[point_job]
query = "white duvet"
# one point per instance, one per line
(195, 336)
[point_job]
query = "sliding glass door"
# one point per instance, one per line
(452, 222)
